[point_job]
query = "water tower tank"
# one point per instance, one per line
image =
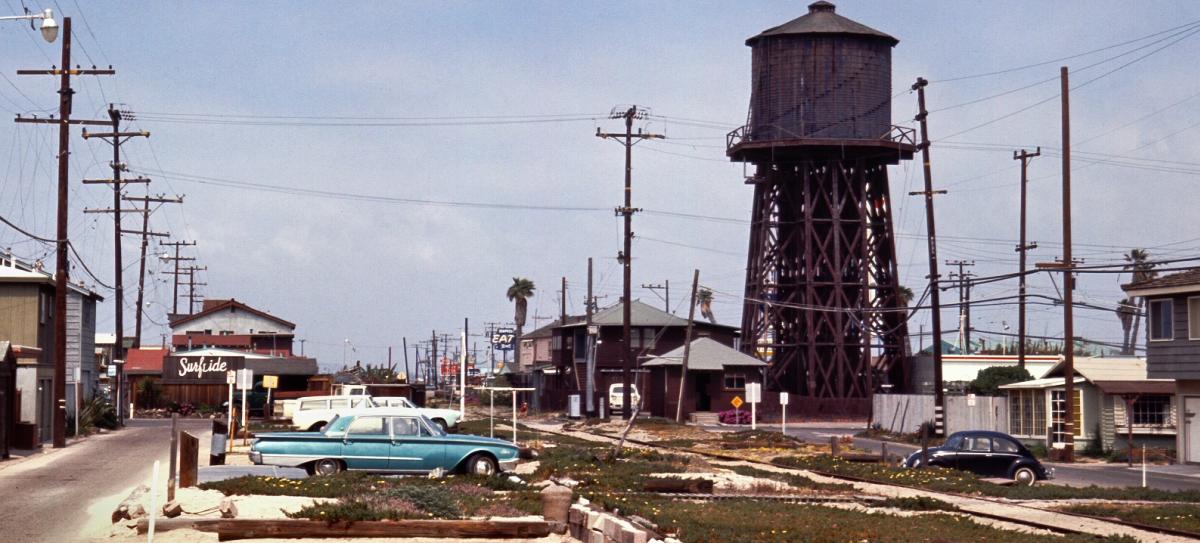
(821, 76)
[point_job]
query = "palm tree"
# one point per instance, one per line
(1126, 310)
(1138, 261)
(906, 296)
(519, 293)
(704, 299)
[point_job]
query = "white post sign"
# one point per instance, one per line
(245, 381)
(783, 403)
(230, 379)
(753, 397)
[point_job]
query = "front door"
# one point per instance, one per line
(703, 401)
(367, 445)
(414, 447)
(1191, 413)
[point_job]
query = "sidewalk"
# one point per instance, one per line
(19, 456)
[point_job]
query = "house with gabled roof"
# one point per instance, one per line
(232, 324)
(653, 332)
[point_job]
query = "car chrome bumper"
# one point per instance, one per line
(508, 465)
(1049, 473)
(256, 457)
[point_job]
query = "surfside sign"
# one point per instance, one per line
(199, 369)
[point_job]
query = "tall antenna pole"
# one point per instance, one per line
(1024, 247)
(625, 257)
(931, 236)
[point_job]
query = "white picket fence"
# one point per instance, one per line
(904, 413)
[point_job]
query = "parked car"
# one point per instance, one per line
(987, 454)
(446, 418)
(397, 440)
(315, 412)
(616, 396)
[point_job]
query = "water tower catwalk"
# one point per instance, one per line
(822, 290)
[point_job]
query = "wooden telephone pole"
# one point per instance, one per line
(931, 236)
(146, 233)
(964, 300)
(191, 285)
(625, 257)
(176, 272)
(62, 265)
(1023, 247)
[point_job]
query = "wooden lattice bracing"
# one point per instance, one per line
(822, 288)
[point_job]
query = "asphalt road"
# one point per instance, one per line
(68, 494)
(1111, 475)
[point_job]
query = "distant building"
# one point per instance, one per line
(1173, 347)
(28, 323)
(230, 324)
(960, 369)
(716, 374)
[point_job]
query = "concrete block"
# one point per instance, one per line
(633, 535)
(595, 537)
(594, 518)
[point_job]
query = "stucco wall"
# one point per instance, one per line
(238, 322)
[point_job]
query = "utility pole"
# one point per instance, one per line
(1024, 247)
(625, 257)
(62, 265)
(146, 233)
(433, 361)
(964, 302)
(687, 347)
(176, 273)
(1068, 277)
(192, 284)
(931, 236)
(666, 286)
(590, 356)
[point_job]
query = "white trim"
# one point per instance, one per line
(1185, 289)
(1189, 316)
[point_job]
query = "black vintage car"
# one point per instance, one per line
(987, 454)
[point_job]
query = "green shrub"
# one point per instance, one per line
(917, 503)
(988, 381)
(96, 412)
(149, 394)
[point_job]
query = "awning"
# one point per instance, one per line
(1148, 386)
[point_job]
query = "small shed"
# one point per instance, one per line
(1115, 402)
(716, 373)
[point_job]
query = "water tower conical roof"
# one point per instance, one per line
(821, 19)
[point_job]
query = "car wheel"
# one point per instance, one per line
(482, 464)
(326, 466)
(316, 427)
(1025, 476)
(442, 424)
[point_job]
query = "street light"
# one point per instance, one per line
(49, 25)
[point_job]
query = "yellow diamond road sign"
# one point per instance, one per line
(736, 401)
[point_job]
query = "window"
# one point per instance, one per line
(314, 404)
(1058, 407)
(1002, 445)
(954, 442)
(1194, 318)
(340, 403)
(1152, 410)
(368, 426)
(405, 426)
(226, 332)
(978, 444)
(1027, 413)
(735, 381)
(643, 338)
(1162, 321)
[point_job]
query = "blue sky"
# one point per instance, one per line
(376, 272)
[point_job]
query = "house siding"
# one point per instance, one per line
(1177, 358)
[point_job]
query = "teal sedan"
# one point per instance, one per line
(384, 440)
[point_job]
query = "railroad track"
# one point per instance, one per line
(848, 478)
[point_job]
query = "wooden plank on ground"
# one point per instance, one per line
(233, 529)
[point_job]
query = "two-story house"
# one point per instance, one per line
(27, 321)
(653, 332)
(1172, 305)
(231, 324)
